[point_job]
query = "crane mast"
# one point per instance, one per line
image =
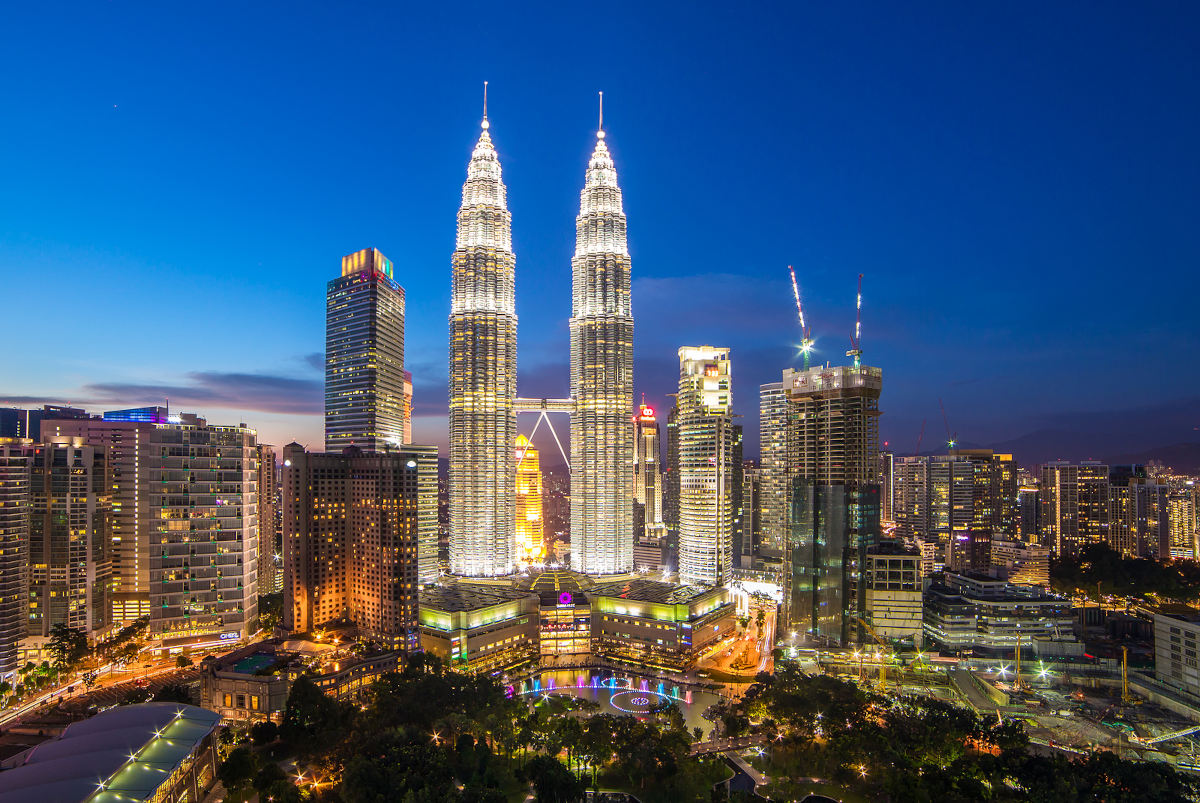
(806, 340)
(855, 351)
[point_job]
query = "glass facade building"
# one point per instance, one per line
(365, 404)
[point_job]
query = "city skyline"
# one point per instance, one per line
(993, 183)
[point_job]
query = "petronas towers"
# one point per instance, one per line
(483, 375)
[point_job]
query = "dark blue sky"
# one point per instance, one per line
(1018, 184)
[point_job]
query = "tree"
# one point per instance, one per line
(67, 645)
(311, 718)
(264, 732)
(552, 782)
(125, 654)
(236, 771)
(173, 693)
(183, 662)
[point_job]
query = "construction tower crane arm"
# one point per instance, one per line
(856, 339)
(805, 332)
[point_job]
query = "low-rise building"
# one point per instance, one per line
(1021, 563)
(149, 752)
(1176, 634)
(252, 684)
(981, 614)
(479, 627)
(894, 592)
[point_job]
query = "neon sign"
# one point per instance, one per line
(565, 598)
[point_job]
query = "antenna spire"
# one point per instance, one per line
(485, 120)
(600, 131)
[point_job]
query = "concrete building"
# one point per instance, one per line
(365, 403)
(130, 439)
(773, 463)
(834, 512)
(648, 475)
(203, 508)
(270, 549)
(601, 329)
(14, 553)
(1139, 521)
(986, 616)
(1183, 523)
(1176, 633)
(70, 538)
(706, 472)
(530, 523)
(1021, 563)
(747, 536)
(894, 592)
(1073, 505)
(480, 627)
(483, 374)
(360, 537)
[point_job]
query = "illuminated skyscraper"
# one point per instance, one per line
(1074, 501)
(530, 548)
(773, 488)
(705, 466)
(601, 376)
(364, 356)
(647, 471)
(483, 374)
(15, 456)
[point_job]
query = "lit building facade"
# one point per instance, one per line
(483, 374)
(129, 439)
(773, 461)
(601, 328)
(203, 503)
(1074, 505)
(15, 454)
(894, 592)
(706, 473)
(1182, 519)
(364, 356)
(530, 525)
(270, 566)
(70, 538)
(360, 537)
(647, 472)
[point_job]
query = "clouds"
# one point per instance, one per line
(243, 391)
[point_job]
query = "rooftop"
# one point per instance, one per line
(122, 754)
(460, 597)
(643, 590)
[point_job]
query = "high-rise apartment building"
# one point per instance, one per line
(601, 329)
(746, 536)
(834, 513)
(530, 524)
(364, 355)
(203, 503)
(647, 472)
(773, 461)
(1183, 523)
(887, 485)
(70, 537)
(358, 531)
(483, 374)
(1138, 506)
(15, 454)
(706, 473)
(671, 472)
(1074, 505)
(270, 567)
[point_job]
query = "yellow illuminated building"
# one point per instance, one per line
(530, 548)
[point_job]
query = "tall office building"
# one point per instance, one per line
(408, 407)
(1138, 507)
(530, 524)
(1074, 505)
(483, 374)
(834, 508)
(18, 423)
(671, 472)
(358, 531)
(647, 472)
(364, 355)
(601, 328)
(15, 454)
(1183, 522)
(203, 502)
(70, 537)
(887, 486)
(773, 462)
(746, 535)
(705, 466)
(270, 567)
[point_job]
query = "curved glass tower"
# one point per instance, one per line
(483, 375)
(601, 377)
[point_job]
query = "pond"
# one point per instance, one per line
(621, 693)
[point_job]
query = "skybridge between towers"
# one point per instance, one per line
(542, 407)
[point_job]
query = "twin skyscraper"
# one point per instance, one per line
(483, 375)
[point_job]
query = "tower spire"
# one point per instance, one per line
(600, 132)
(484, 124)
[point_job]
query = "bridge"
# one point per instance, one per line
(542, 407)
(725, 745)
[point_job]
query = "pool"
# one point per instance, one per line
(252, 663)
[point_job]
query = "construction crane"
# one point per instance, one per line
(855, 351)
(951, 440)
(1125, 698)
(1166, 737)
(920, 437)
(886, 655)
(806, 341)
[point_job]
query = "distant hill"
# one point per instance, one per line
(1182, 457)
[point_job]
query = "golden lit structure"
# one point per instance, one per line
(530, 547)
